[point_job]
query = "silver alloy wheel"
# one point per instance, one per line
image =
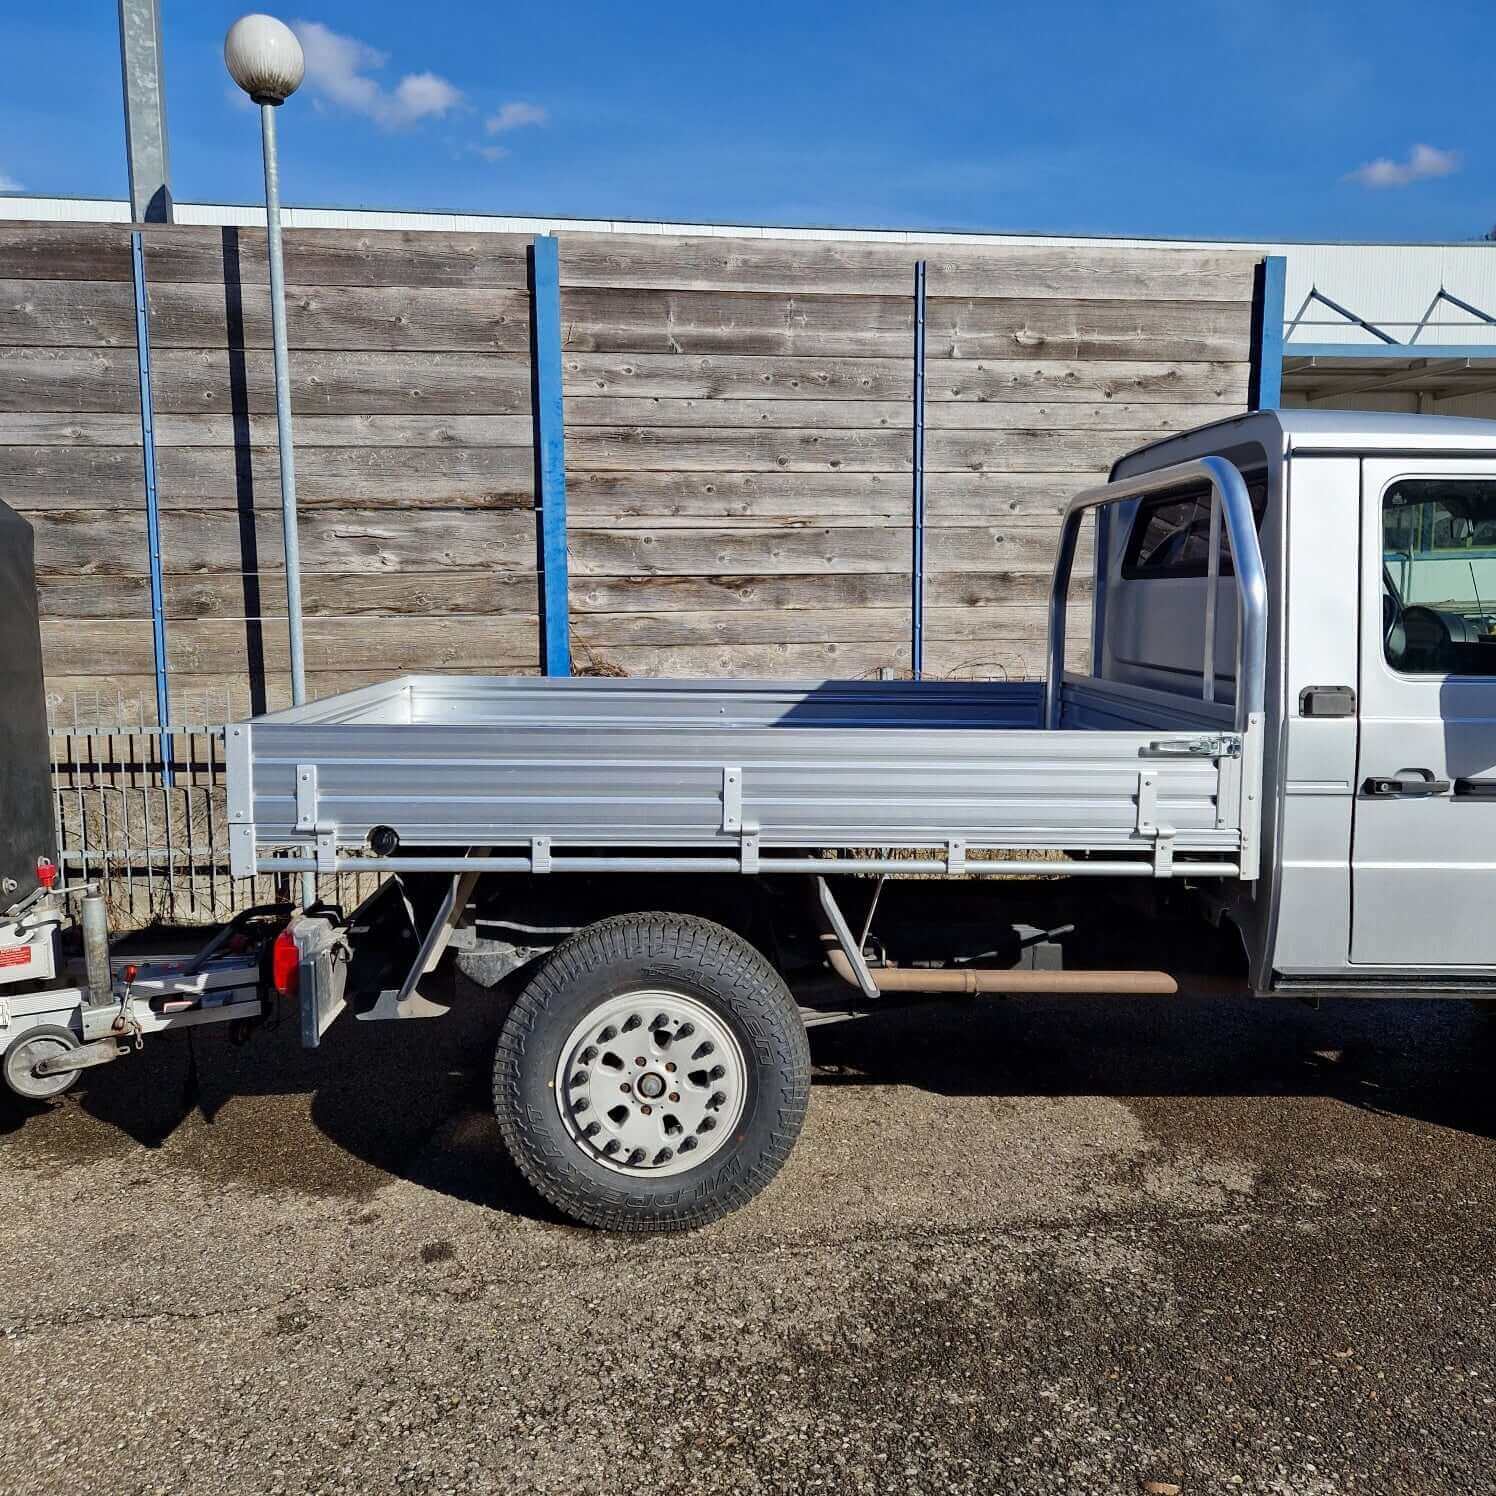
(28, 1052)
(651, 1082)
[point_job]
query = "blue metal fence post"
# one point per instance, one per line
(1266, 388)
(917, 566)
(550, 453)
(152, 514)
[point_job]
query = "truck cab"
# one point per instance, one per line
(1378, 538)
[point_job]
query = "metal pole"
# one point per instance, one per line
(917, 604)
(145, 111)
(550, 452)
(284, 438)
(152, 510)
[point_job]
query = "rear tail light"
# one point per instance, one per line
(285, 963)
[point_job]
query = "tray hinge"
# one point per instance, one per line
(955, 856)
(307, 819)
(540, 854)
(732, 797)
(1148, 824)
(239, 764)
(749, 853)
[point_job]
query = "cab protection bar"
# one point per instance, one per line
(1229, 499)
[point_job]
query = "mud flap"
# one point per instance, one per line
(414, 942)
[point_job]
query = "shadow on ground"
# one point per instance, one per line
(411, 1100)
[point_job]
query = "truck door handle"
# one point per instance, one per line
(1475, 789)
(1406, 787)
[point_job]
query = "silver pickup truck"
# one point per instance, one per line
(1276, 774)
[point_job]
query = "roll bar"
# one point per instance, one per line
(1229, 499)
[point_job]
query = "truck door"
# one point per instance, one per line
(1423, 858)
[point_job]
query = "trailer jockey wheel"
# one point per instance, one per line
(27, 1051)
(654, 1074)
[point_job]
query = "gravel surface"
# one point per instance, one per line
(1091, 1246)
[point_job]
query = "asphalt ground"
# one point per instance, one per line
(1060, 1246)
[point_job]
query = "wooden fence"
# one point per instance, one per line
(738, 445)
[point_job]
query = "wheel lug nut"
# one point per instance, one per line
(647, 1110)
(625, 1086)
(675, 1095)
(670, 1066)
(611, 1146)
(638, 1059)
(592, 1129)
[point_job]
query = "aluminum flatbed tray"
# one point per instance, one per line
(552, 774)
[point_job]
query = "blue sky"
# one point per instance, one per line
(1218, 118)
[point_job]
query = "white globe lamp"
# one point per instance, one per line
(264, 58)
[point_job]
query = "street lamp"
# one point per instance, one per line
(264, 58)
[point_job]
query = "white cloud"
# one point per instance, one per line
(490, 152)
(1423, 161)
(338, 69)
(513, 116)
(9, 184)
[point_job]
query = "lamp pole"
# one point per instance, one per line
(265, 60)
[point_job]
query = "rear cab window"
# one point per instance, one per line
(1170, 535)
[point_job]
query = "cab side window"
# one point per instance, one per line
(1439, 576)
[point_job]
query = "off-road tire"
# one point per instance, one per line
(675, 952)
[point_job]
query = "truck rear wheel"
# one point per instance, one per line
(654, 1074)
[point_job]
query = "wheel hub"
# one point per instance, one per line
(651, 1082)
(27, 1052)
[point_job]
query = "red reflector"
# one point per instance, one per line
(46, 872)
(285, 963)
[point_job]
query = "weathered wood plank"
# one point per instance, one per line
(849, 267)
(338, 257)
(997, 624)
(441, 594)
(32, 428)
(335, 542)
(815, 498)
(617, 552)
(703, 322)
(478, 642)
(690, 500)
(40, 313)
(674, 376)
(822, 415)
(68, 477)
(93, 699)
(837, 660)
(236, 595)
(730, 449)
(189, 380)
(43, 250)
